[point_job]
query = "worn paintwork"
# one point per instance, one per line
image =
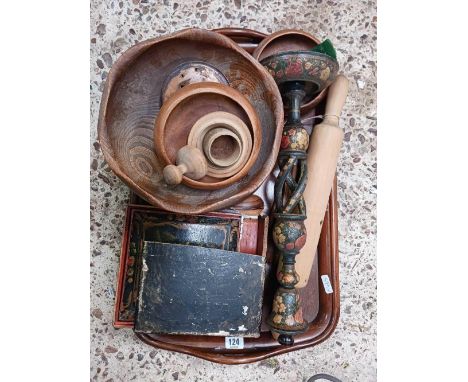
(308, 66)
(295, 139)
(188, 73)
(196, 230)
(289, 233)
(286, 317)
(286, 313)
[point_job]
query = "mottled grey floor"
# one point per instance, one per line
(350, 353)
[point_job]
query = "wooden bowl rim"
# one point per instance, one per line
(267, 40)
(207, 88)
(190, 34)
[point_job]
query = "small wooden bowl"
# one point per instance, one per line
(223, 125)
(181, 111)
(289, 40)
(216, 142)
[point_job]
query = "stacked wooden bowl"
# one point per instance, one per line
(217, 120)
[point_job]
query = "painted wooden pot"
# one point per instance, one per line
(288, 40)
(316, 70)
(180, 114)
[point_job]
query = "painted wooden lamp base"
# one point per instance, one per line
(289, 233)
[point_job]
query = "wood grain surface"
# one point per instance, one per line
(241, 142)
(322, 158)
(190, 162)
(131, 103)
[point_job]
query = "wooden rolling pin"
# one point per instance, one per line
(322, 158)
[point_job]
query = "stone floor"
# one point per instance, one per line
(350, 353)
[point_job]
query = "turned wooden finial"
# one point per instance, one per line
(190, 162)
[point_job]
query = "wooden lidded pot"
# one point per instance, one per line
(181, 111)
(289, 40)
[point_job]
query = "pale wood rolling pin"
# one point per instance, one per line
(322, 158)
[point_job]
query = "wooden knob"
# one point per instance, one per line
(190, 162)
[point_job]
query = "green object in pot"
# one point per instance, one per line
(326, 47)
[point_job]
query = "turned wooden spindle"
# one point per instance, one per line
(289, 233)
(297, 74)
(190, 162)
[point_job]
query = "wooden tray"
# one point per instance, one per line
(321, 309)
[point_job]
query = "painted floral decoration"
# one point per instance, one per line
(293, 231)
(306, 66)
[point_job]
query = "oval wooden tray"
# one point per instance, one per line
(326, 306)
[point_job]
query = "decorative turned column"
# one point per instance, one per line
(296, 73)
(289, 233)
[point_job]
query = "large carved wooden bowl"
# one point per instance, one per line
(131, 102)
